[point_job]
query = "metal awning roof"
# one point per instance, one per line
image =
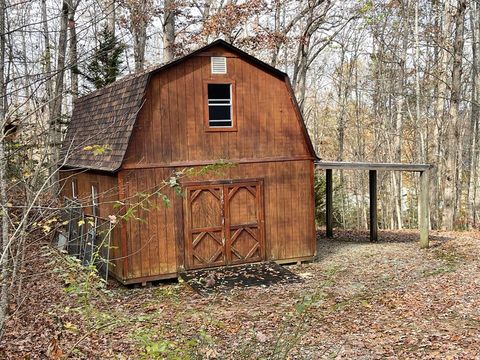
(344, 165)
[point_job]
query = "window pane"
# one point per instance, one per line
(219, 113)
(219, 91)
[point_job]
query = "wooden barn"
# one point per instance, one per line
(216, 103)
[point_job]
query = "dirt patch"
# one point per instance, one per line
(225, 279)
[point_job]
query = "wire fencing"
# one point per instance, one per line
(86, 237)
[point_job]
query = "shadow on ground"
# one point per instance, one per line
(348, 238)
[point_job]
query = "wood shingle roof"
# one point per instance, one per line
(102, 123)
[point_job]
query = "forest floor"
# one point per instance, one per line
(361, 300)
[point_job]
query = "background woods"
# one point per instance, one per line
(385, 81)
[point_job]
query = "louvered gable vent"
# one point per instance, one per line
(219, 65)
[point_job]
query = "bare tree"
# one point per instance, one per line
(111, 19)
(3, 179)
(472, 195)
(140, 14)
(48, 57)
(57, 100)
(169, 30)
(453, 126)
(73, 55)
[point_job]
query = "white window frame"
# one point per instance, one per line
(221, 102)
(74, 189)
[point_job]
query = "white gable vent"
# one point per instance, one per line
(219, 65)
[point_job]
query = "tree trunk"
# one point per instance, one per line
(56, 115)
(453, 130)
(422, 128)
(73, 57)
(474, 115)
(110, 9)
(442, 55)
(3, 185)
(300, 70)
(17, 275)
(205, 11)
(398, 133)
(397, 157)
(48, 59)
(343, 93)
(169, 30)
(276, 30)
(139, 43)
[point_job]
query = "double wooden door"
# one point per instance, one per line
(224, 224)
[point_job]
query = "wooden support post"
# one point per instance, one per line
(372, 175)
(329, 202)
(423, 209)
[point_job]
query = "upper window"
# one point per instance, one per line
(220, 114)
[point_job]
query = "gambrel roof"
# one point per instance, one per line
(103, 118)
(102, 121)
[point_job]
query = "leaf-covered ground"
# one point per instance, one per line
(359, 300)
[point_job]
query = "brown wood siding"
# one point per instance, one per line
(171, 125)
(288, 214)
(147, 238)
(108, 194)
